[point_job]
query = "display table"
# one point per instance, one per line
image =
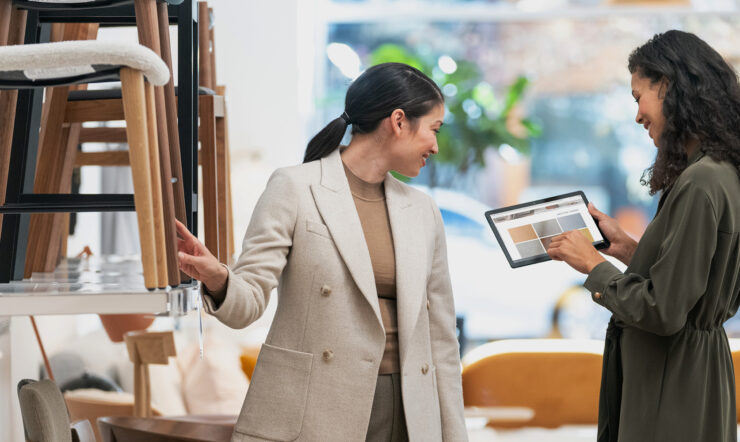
(105, 285)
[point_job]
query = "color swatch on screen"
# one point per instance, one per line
(533, 239)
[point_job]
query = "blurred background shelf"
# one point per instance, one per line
(106, 285)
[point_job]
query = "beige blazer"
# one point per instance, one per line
(316, 374)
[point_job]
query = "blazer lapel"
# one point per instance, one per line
(410, 250)
(334, 202)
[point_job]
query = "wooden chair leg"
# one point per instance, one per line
(212, 54)
(221, 90)
(147, 25)
(134, 107)
(55, 162)
(229, 200)
(207, 135)
(158, 210)
(221, 191)
(53, 156)
(178, 189)
(205, 71)
(60, 224)
(6, 10)
(171, 105)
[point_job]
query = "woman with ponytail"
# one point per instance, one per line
(363, 343)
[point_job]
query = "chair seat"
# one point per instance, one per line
(72, 62)
(115, 93)
(77, 4)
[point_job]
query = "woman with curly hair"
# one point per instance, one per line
(668, 372)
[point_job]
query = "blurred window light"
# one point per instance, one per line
(344, 58)
(447, 64)
(509, 154)
(542, 5)
(471, 108)
(449, 90)
(483, 94)
(635, 158)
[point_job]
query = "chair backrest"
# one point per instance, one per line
(558, 379)
(45, 417)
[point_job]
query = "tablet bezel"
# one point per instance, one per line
(539, 258)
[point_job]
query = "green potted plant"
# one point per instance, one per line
(477, 118)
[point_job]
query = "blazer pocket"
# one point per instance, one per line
(277, 396)
(318, 229)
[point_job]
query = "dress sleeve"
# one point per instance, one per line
(661, 302)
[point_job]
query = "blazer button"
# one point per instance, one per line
(597, 295)
(325, 290)
(328, 355)
(425, 369)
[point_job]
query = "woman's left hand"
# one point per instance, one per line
(576, 250)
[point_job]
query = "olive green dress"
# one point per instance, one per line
(668, 373)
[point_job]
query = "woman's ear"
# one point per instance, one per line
(398, 121)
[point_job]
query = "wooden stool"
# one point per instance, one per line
(214, 156)
(90, 61)
(146, 348)
(46, 231)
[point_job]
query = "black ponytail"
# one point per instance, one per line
(372, 97)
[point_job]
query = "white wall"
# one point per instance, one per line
(264, 56)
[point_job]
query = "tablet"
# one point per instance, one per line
(525, 231)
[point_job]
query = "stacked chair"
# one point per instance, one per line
(218, 222)
(60, 135)
(74, 62)
(214, 152)
(172, 179)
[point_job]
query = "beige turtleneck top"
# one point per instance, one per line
(371, 207)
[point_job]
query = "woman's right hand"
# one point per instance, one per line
(198, 262)
(622, 246)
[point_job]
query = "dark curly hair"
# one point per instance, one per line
(701, 100)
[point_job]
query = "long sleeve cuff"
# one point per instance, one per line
(600, 279)
(210, 303)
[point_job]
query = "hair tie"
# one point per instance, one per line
(346, 118)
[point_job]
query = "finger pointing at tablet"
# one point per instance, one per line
(576, 250)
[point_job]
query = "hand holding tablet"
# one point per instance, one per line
(525, 231)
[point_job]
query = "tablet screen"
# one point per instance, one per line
(525, 231)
